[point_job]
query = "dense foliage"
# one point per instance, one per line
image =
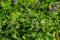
(29, 19)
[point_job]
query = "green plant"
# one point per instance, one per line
(29, 20)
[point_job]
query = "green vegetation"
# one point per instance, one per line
(29, 20)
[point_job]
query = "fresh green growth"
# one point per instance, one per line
(29, 20)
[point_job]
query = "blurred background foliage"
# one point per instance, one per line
(29, 19)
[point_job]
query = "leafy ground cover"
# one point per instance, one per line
(29, 19)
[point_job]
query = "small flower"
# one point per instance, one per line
(14, 2)
(50, 9)
(54, 8)
(33, 22)
(37, 27)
